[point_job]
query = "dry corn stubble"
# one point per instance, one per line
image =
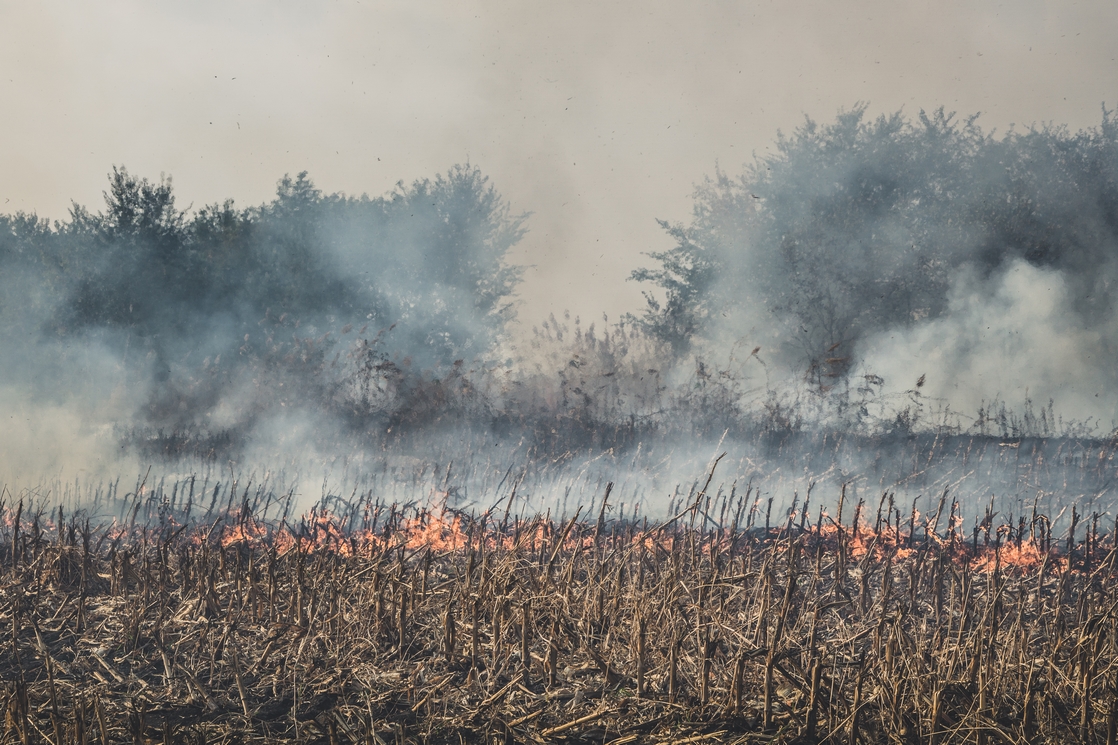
(435, 626)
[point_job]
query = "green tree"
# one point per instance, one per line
(860, 225)
(134, 268)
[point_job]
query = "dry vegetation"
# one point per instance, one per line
(392, 624)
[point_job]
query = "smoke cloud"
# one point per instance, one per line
(1012, 336)
(883, 305)
(866, 254)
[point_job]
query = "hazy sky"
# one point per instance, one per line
(598, 117)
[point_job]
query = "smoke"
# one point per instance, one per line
(864, 255)
(245, 333)
(1014, 336)
(60, 397)
(869, 308)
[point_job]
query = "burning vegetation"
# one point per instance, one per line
(389, 623)
(893, 279)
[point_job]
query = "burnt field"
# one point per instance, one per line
(840, 621)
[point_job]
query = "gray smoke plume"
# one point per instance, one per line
(890, 306)
(864, 257)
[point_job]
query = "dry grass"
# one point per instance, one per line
(414, 626)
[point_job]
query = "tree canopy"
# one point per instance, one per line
(859, 225)
(420, 274)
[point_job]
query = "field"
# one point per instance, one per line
(843, 622)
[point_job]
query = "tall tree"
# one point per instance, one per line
(861, 225)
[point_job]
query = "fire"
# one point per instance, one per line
(1025, 556)
(447, 531)
(443, 530)
(889, 542)
(437, 533)
(247, 532)
(323, 531)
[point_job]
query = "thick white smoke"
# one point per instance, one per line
(1011, 336)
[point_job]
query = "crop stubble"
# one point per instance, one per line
(421, 624)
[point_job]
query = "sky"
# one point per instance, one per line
(597, 117)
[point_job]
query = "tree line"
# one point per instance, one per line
(394, 309)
